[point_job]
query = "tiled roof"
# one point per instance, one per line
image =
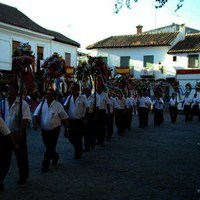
(11, 15)
(190, 44)
(138, 40)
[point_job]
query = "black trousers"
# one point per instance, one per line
(187, 112)
(158, 117)
(195, 111)
(129, 117)
(109, 126)
(141, 117)
(90, 132)
(120, 121)
(22, 158)
(5, 160)
(146, 116)
(50, 139)
(101, 127)
(77, 130)
(173, 113)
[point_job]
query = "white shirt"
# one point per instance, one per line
(158, 104)
(104, 101)
(187, 101)
(91, 100)
(134, 101)
(3, 128)
(51, 116)
(11, 114)
(173, 101)
(148, 102)
(129, 102)
(77, 108)
(142, 101)
(195, 101)
(120, 103)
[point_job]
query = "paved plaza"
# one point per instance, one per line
(161, 163)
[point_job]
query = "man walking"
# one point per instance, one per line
(76, 106)
(16, 114)
(51, 114)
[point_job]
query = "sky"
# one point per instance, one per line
(89, 21)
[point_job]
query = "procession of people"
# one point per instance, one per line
(88, 118)
(89, 111)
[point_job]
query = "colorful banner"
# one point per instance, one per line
(122, 70)
(69, 70)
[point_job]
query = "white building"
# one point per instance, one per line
(155, 54)
(16, 28)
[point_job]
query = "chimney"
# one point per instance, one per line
(139, 29)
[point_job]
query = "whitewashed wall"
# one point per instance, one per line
(8, 34)
(136, 55)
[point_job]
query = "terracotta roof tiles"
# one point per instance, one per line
(190, 44)
(139, 40)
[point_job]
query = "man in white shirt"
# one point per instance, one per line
(76, 106)
(186, 104)
(52, 115)
(110, 117)
(17, 115)
(158, 105)
(93, 109)
(120, 113)
(104, 110)
(141, 102)
(173, 107)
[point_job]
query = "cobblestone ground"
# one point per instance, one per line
(145, 164)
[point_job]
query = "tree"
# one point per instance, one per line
(159, 4)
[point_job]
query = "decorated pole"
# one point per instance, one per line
(23, 61)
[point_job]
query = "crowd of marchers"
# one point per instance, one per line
(88, 117)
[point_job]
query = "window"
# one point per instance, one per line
(148, 61)
(68, 59)
(40, 56)
(15, 44)
(193, 61)
(124, 61)
(174, 58)
(105, 60)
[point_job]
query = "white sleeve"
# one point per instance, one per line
(3, 128)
